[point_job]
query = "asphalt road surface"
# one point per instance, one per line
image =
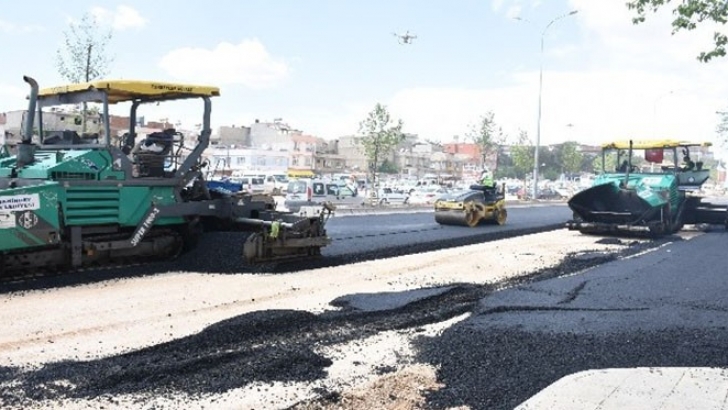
(663, 309)
(382, 233)
(375, 236)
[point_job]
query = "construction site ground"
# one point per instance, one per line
(333, 338)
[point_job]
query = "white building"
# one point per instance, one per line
(226, 160)
(276, 134)
(54, 119)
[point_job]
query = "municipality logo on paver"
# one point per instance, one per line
(19, 202)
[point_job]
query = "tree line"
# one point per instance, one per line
(380, 135)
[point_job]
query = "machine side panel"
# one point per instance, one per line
(29, 216)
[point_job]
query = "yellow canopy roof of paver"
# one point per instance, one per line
(128, 90)
(647, 144)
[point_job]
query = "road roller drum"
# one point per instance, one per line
(471, 208)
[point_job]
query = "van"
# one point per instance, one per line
(251, 183)
(306, 191)
(309, 189)
(278, 181)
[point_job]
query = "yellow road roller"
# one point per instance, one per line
(477, 205)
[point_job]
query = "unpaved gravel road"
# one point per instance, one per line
(337, 337)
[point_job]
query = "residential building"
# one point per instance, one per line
(227, 160)
(119, 124)
(351, 152)
(469, 159)
(275, 135)
(414, 158)
(327, 158)
(232, 135)
(271, 140)
(302, 156)
(53, 120)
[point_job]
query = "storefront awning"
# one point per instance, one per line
(300, 173)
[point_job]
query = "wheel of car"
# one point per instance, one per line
(383, 201)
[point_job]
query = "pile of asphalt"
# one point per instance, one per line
(282, 345)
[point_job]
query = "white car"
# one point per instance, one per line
(386, 196)
(427, 195)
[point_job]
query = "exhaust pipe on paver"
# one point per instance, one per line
(26, 149)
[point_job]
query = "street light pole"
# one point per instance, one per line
(540, 92)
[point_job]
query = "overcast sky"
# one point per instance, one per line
(322, 65)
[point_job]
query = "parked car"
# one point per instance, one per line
(250, 184)
(552, 193)
(340, 189)
(427, 195)
(387, 196)
(306, 191)
(224, 183)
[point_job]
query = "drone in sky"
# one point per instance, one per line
(405, 38)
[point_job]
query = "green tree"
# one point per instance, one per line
(606, 162)
(549, 158)
(522, 155)
(571, 157)
(380, 135)
(83, 56)
(587, 162)
(388, 167)
(487, 135)
(688, 14)
(504, 164)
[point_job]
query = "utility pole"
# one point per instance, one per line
(534, 189)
